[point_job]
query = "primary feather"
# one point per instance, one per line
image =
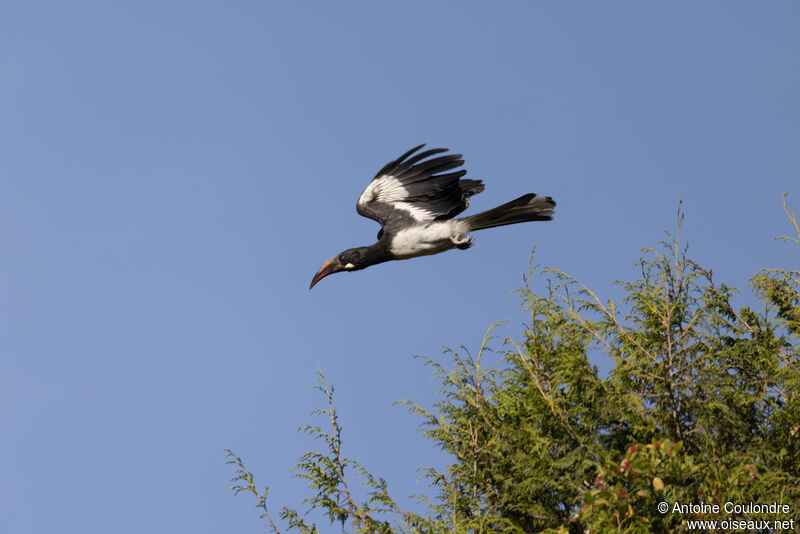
(412, 190)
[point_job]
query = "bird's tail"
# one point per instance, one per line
(530, 207)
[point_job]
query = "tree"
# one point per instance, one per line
(701, 408)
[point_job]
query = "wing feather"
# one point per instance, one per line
(413, 189)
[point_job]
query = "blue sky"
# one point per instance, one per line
(173, 174)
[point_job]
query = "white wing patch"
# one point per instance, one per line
(390, 190)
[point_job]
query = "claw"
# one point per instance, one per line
(461, 241)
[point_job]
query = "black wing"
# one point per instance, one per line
(412, 190)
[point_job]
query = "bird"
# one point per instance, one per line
(415, 200)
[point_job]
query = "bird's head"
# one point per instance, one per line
(350, 260)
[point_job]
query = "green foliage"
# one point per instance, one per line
(624, 495)
(702, 406)
(327, 474)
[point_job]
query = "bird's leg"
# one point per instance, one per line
(461, 241)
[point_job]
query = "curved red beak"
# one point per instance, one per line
(331, 266)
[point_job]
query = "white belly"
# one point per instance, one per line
(425, 239)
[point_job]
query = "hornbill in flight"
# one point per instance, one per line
(415, 199)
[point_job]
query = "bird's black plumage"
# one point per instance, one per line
(411, 190)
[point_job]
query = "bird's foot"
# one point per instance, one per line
(461, 241)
